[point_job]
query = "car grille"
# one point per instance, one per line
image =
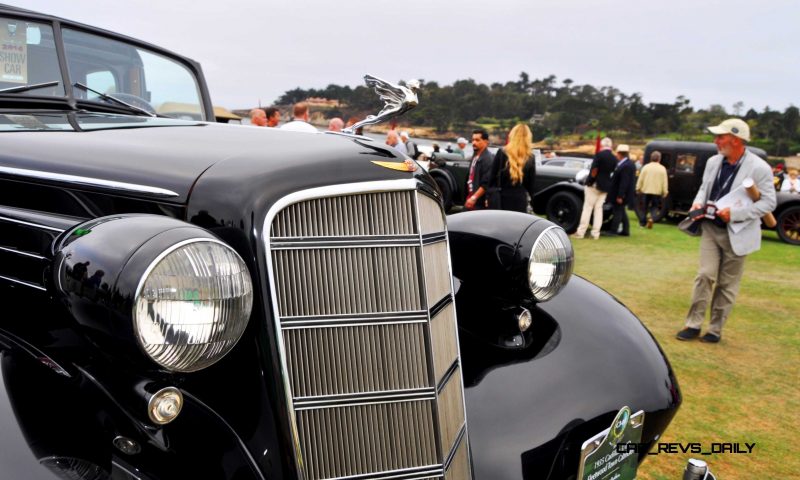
(362, 291)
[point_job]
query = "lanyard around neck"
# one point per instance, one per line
(731, 177)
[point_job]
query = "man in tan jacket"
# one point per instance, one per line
(652, 189)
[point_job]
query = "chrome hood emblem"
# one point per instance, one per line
(397, 99)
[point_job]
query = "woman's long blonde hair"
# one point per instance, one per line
(518, 150)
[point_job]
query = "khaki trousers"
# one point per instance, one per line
(720, 266)
(593, 200)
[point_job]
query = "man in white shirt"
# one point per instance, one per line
(300, 121)
(393, 140)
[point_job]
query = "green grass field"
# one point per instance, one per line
(744, 389)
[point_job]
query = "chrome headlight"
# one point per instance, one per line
(150, 288)
(192, 304)
(550, 264)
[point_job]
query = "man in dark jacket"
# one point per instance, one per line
(480, 171)
(622, 191)
(597, 185)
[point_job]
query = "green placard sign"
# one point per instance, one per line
(600, 457)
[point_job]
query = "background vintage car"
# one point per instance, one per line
(685, 163)
(188, 299)
(558, 187)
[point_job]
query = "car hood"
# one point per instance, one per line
(158, 153)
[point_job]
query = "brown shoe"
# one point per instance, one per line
(649, 223)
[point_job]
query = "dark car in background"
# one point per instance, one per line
(189, 299)
(685, 163)
(558, 187)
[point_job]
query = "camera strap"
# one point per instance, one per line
(729, 180)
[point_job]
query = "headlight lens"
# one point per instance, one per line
(192, 305)
(550, 264)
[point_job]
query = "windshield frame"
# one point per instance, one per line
(57, 24)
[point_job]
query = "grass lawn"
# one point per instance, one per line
(744, 389)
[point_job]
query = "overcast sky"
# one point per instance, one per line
(712, 51)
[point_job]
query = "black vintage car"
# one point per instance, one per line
(685, 163)
(187, 299)
(558, 187)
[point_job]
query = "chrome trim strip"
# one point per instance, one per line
(363, 319)
(459, 438)
(458, 346)
(448, 374)
(345, 239)
(310, 403)
(30, 224)
(20, 252)
(309, 244)
(433, 238)
(319, 192)
(437, 434)
(306, 326)
(419, 473)
(22, 282)
(89, 182)
(441, 305)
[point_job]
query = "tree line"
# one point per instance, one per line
(555, 109)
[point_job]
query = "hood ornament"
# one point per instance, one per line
(397, 99)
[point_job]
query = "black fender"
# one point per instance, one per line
(592, 358)
(56, 417)
(541, 197)
(584, 357)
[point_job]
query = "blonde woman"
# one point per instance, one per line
(513, 171)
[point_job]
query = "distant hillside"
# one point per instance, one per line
(555, 110)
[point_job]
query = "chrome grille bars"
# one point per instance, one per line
(362, 294)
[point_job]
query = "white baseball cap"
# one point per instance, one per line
(403, 134)
(461, 140)
(734, 126)
(623, 148)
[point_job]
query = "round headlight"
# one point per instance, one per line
(192, 304)
(550, 264)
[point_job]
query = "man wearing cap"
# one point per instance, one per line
(622, 191)
(461, 143)
(732, 234)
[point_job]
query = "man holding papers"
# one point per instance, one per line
(731, 227)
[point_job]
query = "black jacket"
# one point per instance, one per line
(603, 166)
(513, 197)
(623, 183)
(483, 174)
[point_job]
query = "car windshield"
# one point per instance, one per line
(99, 68)
(137, 76)
(28, 60)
